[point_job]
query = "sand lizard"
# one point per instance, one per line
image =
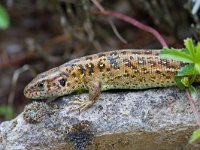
(121, 69)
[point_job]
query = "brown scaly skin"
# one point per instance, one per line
(122, 69)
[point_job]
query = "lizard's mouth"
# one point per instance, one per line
(32, 94)
(26, 92)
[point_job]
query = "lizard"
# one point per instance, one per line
(119, 69)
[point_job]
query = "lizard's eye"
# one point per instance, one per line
(40, 85)
(62, 82)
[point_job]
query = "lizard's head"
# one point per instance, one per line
(52, 83)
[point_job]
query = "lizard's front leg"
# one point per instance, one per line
(94, 88)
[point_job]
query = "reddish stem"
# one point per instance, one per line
(192, 104)
(137, 24)
(132, 21)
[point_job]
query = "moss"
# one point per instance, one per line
(36, 111)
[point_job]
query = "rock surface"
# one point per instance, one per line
(129, 120)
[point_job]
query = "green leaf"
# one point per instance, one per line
(190, 46)
(186, 70)
(195, 136)
(185, 50)
(4, 18)
(6, 111)
(197, 67)
(176, 55)
(179, 82)
(193, 92)
(198, 52)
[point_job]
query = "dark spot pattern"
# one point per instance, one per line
(158, 71)
(127, 62)
(163, 61)
(133, 76)
(123, 52)
(101, 66)
(152, 63)
(48, 86)
(134, 67)
(126, 74)
(108, 69)
(90, 68)
(144, 70)
(141, 61)
(73, 74)
(168, 77)
(81, 69)
(68, 84)
(140, 79)
(113, 53)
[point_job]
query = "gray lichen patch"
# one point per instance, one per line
(37, 111)
(81, 135)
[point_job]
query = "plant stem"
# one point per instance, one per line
(132, 21)
(192, 104)
(137, 24)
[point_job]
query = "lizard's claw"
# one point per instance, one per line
(77, 101)
(94, 91)
(83, 104)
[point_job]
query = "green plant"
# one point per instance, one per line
(187, 74)
(4, 18)
(6, 111)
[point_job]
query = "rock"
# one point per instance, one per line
(120, 120)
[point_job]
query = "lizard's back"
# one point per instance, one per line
(127, 69)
